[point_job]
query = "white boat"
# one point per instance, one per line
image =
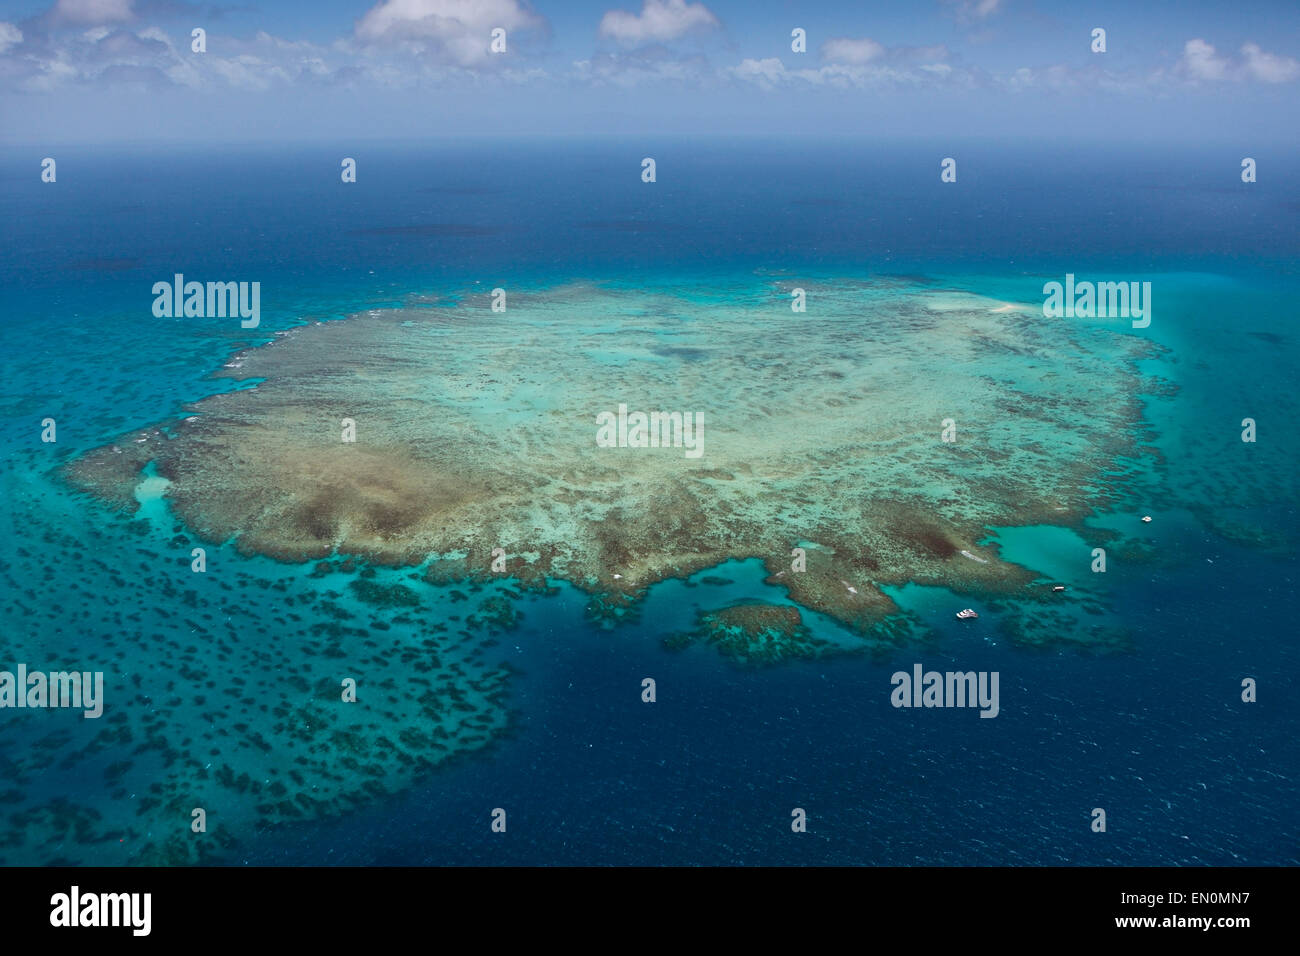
(966, 614)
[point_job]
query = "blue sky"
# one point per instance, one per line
(92, 71)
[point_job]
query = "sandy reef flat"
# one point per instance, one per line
(477, 430)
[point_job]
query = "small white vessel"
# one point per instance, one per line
(1058, 589)
(1146, 519)
(966, 614)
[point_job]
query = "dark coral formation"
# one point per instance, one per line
(755, 634)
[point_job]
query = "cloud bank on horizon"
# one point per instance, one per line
(498, 65)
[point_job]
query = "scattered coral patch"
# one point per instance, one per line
(755, 634)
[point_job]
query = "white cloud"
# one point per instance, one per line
(150, 59)
(658, 21)
(457, 30)
(650, 65)
(893, 68)
(92, 11)
(1200, 62)
(858, 63)
(1268, 68)
(967, 11)
(247, 72)
(115, 56)
(767, 72)
(10, 35)
(846, 50)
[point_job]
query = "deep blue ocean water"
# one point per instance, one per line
(1156, 734)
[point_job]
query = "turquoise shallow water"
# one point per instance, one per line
(1152, 728)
